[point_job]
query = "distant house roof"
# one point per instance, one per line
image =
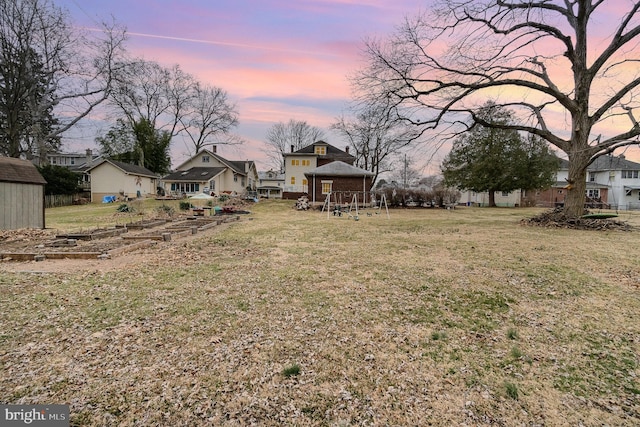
(332, 152)
(339, 168)
(126, 168)
(198, 174)
(18, 170)
(236, 165)
(606, 163)
(271, 175)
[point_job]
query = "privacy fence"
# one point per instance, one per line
(55, 200)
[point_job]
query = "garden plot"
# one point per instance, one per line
(99, 243)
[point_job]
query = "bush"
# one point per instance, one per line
(185, 206)
(125, 208)
(167, 210)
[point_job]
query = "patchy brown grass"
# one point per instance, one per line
(431, 317)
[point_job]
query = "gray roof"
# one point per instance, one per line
(332, 152)
(277, 176)
(197, 174)
(606, 163)
(18, 170)
(339, 168)
(127, 168)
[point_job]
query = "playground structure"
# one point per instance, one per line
(351, 209)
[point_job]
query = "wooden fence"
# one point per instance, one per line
(55, 200)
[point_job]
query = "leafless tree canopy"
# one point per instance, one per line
(376, 135)
(571, 78)
(75, 70)
(210, 115)
(174, 101)
(286, 137)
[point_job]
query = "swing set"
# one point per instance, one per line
(350, 210)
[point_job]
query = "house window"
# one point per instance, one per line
(185, 187)
(592, 176)
(629, 174)
(326, 187)
(205, 159)
(306, 162)
(505, 194)
(295, 162)
(293, 180)
(593, 193)
(235, 178)
(304, 182)
(321, 150)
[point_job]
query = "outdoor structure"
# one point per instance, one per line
(339, 177)
(613, 182)
(270, 184)
(21, 195)
(298, 163)
(210, 173)
(113, 178)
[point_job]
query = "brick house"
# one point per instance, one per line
(298, 163)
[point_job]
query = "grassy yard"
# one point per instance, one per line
(431, 317)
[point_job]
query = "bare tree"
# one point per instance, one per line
(376, 136)
(540, 59)
(286, 137)
(174, 101)
(52, 74)
(146, 90)
(210, 115)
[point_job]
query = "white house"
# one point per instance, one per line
(270, 184)
(208, 172)
(113, 178)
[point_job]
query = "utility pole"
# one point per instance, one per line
(405, 172)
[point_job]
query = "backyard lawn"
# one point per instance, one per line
(425, 317)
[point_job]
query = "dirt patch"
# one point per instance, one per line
(35, 241)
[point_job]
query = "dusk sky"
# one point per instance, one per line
(277, 59)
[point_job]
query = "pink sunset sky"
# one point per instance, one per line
(277, 59)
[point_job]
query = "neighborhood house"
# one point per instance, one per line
(207, 172)
(113, 178)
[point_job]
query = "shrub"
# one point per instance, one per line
(125, 208)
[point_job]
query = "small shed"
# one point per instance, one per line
(21, 195)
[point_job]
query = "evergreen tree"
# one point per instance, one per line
(492, 159)
(60, 180)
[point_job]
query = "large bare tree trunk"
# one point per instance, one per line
(577, 185)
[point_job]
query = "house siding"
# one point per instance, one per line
(107, 180)
(297, 171)
(21, 205)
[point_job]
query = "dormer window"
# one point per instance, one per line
(320, 149)
(205, 159)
